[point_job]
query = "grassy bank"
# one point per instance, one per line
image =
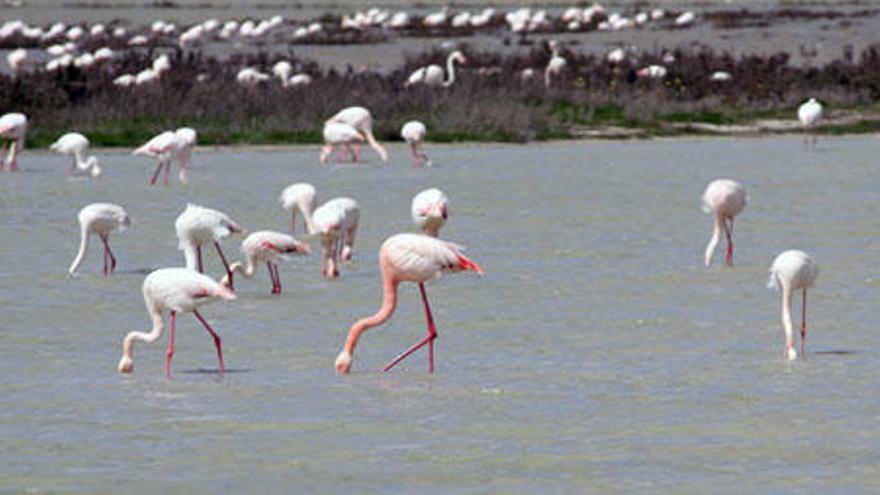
(489, 102)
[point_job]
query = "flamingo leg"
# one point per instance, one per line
(225, 264)
(170, 352)
(109, 252)
(804, 324)
(104, 270)
(3, 155)
(277, 276)
(216, 341)
(156, 173)
(728, 231)
(357, 152)
(273, 274)
(293, 222)
(167, 171)
(72, 166)
(416, 158)
(429, 339)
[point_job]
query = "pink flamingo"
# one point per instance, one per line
(267, 246)
(407, 258)
(179, 290)
(166, 147)
(790, 271)
(361, 119)
(100, 219)
(12, 126)
(338, 135)
(724, 199)
(198, 225)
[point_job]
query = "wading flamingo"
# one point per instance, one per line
(178, 290)
(724, 199)
(266, 246)
(360, 119)
(100, 219)
(198, 225)
(809, 115)
(790, 271)
(413, 132)
(186, 139)
(299, 197)
(430, 209)
(12, 126)
(168, 146)
(76, 146)
(432, 75)
(407, 258)
(338, 136)
(336, 223)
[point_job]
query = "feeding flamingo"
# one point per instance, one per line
(198, 225)
(299, 197)
(809, 115)
(413, 132)
(790, 271)
(267, 246)
(178, 290)
(724, 199)
(430, 209)
(168, 146)
(407, 258)
(12, 126)
(338, 135)
(361, 119)
(336, 223)
(77, 146)
(100, 219)
(432, 75)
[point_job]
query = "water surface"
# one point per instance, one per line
(597, 353)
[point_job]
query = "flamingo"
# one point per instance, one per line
(413, 132)
(198, 225)
(556, 64)
(77, 146)
(100, 219)
(266, 246)
(299, 197)
(432, 75)
(790, 271)
(336, 222)
(430, 209)
(725, 199)
(179, 290)
(361, 119)
(12, 126)
(407, 258)
(809, 115)
(168, 146)
(336, 135)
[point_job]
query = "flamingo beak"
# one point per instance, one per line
(303, 248)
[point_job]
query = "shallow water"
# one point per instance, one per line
(597, 353)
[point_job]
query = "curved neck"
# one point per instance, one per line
(307, 217)
(450, 70)
(716, 237)
(155, 333)
(389, 302)
(83, 245)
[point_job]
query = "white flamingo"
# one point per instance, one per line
(100, 219)
(432, 75)
(361, 119)
(724, 199)
(790, 271)
(430, 209)
(198, 225)
(12, 126)
(178, 290)
(299, 197)
(337, 136)
(809, 115)
(76, 146)
(336, 224)
(413, 132)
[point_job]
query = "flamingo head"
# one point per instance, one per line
(343, 363)
(459, 57)
(126, 365)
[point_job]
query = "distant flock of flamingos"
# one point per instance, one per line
(406, 257)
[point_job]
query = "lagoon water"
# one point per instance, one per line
(596, 354)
